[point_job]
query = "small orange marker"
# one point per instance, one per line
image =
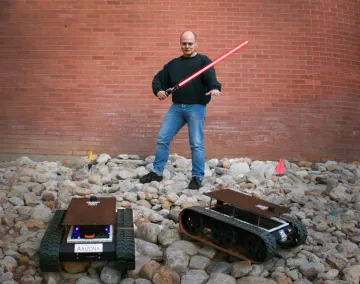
(91, 156)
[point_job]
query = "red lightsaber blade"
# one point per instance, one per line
(182, 83)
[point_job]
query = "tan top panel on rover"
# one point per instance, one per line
(248, 203)
(82, 211)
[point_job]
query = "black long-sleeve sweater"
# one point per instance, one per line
(181, 68)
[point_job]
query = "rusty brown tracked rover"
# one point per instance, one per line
(244, 226)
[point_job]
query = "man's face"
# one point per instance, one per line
(188, 44)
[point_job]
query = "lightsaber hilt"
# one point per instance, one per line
(171, 90)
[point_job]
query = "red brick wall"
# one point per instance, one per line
(76, 74)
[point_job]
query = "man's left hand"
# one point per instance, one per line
(214, 92)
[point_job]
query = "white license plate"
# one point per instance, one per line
(88, 248)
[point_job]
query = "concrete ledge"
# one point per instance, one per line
(38, 158)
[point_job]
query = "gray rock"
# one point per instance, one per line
(42, 213)
(198, 262)
(131, 196)
(16, 201)
(270, 170)
(103, 158)
(19, 189)
(355, 198)
(302, 281)
(31, 199)
(25, 212)
(357, 206)
(295, 262)
(80, 174)
(38, 177)
(297, 189)
(301, 174)
(110, 275)
(142, 281)
(175, 187)
(24, 160)
(167, 237)
(241, 269)
(127, 174)
(216, 278)
(329, 275)
(336, 260)
(227, 180)
(292, 274)
(30, 248)
(311, 269)
(339, 194)
(351, 248)
(254, 280)
(181, 163)
(352, 274)
(188, 247)
(29, 279)
(288, 253)
(195, 277)
(207, 251)
(55, 278)
(7, 276)
(67, 184)
(145, 203)
(155, 217)
(213, 163)
(239, 169)
(255, 174)
(148, 232)
(12, 252)
(149, 249)
(127, 281)
(177, 260)
(219, 267)
(95, 179)
(88, 280)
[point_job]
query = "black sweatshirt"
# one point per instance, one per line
(180, 68)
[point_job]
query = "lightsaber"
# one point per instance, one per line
(182, 83)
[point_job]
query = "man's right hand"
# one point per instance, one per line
(161, 95)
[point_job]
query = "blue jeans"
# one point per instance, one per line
(177, 116)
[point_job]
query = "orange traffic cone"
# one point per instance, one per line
(280, 168)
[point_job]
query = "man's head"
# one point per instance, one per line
(188, 43)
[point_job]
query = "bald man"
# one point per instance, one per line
(188, 107)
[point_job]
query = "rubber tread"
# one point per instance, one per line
(50, 244)
(125, 240)
(300, 228)
(268, 240)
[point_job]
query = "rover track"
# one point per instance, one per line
(243, 226)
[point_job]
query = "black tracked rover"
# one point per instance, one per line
(244, 226)
(89, 230)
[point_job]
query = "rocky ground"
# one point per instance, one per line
(324, 196)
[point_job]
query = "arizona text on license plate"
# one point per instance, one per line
(88, 248)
